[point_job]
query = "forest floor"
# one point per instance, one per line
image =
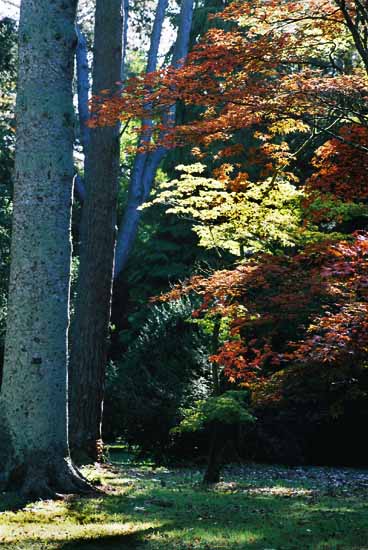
(255, 507)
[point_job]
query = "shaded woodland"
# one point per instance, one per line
(183, 236)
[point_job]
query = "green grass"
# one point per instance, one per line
(255, 508)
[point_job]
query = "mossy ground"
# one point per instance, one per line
(148, 508)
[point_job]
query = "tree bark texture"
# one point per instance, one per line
(93, 303)
(146, 164)
(221, 434)
(83, 87)
(34, 451)
(125, 4)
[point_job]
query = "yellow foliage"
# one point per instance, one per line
(240, 218)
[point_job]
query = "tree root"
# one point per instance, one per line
(51, 479)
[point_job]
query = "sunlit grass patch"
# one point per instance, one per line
(66, 531)
(254, 507)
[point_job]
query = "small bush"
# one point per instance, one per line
(164, 371)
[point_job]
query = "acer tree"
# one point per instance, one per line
(278, 66)
(282, 74)
(232, 213)
(290, 315)
(276, 71)
(221, 414)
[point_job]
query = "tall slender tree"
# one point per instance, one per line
(146, 164)
(34, 450)
(92, 309)
(83, 88)
(92, 312)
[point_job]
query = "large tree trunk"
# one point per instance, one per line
(146, 164)
(34, 453)
(92, 309)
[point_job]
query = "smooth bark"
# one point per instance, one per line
(83, 87)
(34, 452)
(146, 164)
(93, 303)
(124, 37)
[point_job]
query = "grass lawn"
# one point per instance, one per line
(255, 507)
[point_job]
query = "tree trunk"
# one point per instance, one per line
(34, 453)
(357, 26)
(221, 437)
(83, 87)
(125, 7)
(215, 454)
(218, 436)
(146, 164)
(92, 309)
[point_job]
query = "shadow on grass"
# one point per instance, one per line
(128, 541)
(12, 502)
(172, 513)
(110, 542)
(236, 521)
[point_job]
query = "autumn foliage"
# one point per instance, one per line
(276, 66)
(341, 164)
(293, 74)
(288, 314)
